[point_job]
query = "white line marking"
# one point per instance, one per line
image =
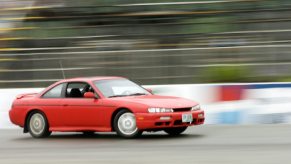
(148, 50)
(180, 3)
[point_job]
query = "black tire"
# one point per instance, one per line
(44, 132)
(136, 132)
(175, 131)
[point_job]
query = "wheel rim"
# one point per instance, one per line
(127, 124)
(37, 124)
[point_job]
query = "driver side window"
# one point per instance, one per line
(77, 89)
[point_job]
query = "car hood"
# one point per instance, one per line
(159, 101)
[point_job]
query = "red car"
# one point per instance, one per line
(102, 104)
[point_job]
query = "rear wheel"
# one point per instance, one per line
(175, 131)
(38, 125)
(125, 124)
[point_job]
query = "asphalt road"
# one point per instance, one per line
(207, 144)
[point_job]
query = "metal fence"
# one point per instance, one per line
(152, 42)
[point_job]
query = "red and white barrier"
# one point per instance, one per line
(223, 103)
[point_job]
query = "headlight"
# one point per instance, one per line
(197, 107)
(160, 110)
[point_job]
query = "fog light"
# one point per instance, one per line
(165, 118)
(200, 115)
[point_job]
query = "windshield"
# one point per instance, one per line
(119, 88)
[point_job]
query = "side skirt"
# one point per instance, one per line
(78, 129)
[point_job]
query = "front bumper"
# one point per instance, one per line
(152, 121)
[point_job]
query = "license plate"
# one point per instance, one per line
(187, 118)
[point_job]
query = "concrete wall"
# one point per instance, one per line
(223, 103)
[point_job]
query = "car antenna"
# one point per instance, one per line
(62, 68)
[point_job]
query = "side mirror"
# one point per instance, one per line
(89, 95)
(149, 90)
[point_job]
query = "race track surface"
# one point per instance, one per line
(208, 144)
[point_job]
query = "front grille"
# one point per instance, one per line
(179, 122)
(162, 123)
(158, 123)
(182, 109)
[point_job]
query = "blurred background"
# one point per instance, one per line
(231, 56)
(149, 41)
(227, 46)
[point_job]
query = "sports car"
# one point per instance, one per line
(102, 104)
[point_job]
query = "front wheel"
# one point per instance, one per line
(38, 125)
(175, 131)
(125, 124)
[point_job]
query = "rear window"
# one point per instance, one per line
(55, 92)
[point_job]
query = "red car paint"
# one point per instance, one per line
(89, 114)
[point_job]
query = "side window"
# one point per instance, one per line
(77, 90)
(55, 92)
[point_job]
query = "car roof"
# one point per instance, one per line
(93, 78)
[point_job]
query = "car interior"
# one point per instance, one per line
(77, 90)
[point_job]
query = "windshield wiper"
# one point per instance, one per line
(137, 94)
(117, 96)
(134, 94)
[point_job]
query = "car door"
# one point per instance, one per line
(79, 111)
(50, 103)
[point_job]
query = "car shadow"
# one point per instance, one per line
(112, 136)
